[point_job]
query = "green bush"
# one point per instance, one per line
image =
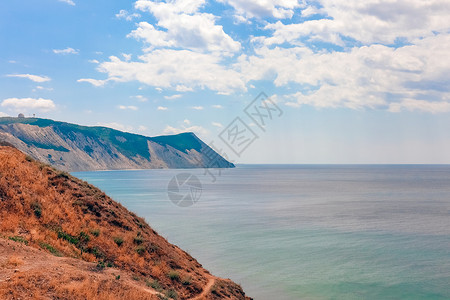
(118, 240)
(173, 275)
(140, 250)
(18, 239)
(37, 209)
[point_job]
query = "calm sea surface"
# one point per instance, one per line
(306, 232)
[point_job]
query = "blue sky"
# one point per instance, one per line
(357, 81)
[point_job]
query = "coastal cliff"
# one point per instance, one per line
(71, 147)
(62, 238)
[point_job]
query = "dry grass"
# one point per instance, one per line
(65, 216)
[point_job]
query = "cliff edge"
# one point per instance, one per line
(62, 238)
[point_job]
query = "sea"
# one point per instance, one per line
(289, 232)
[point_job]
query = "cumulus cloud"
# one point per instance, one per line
(141, 98)
(94, 82)
(66, 51)
(373, 76)
(184, 26)
(128, 107)
(162, 108)
(26, 104)
(381, 56)
(35, 78)
(168, 68)
(371, 21)
(217, 124)
(197, 107)
(198, 130)
(123, 14)
(217, 106)
(173, 97)
(280, 9)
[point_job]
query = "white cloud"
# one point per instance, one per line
(387, 59)
(27, 104)
(127, 57)
(42, 88)
(167, 68)
(68, 50)
(70, 2)
(123, 14)
(173, 97)
(2, 114)
(129, 107)
(142, 128)
(94, 61)
(162, 108)
(94, 82)
(184, 27)
(197, 107)
(370, 21)
(141, 98)
(367, 77)
(217, 124)
(117, 126)
(217, 106)
(183, 88)
(186, 126)
(280, 9)
(198, 130)
(35, 78)
(194, 32)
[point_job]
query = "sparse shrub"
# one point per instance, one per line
(18, 239)
(62, 174)
(101, 265)
(152, 248)
(118, 241)
(83, 239)
(172, 294)
(50, 249)
(140, 250)
(135, 277)
(117, 277)
(154, 284)
(67, 237)
(37, 209)
(186, 280)
(173, 275)
(138, 239)
(95, 232)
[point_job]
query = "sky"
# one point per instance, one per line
(347, 82)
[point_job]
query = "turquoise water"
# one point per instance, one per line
(307, 232)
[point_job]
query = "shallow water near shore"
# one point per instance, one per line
(306, 232)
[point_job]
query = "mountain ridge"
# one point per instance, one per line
(72, 147)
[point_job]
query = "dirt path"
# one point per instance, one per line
(206, 289)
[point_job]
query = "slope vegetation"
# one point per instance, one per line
(77, 228)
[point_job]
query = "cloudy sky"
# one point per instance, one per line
(356, 81)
